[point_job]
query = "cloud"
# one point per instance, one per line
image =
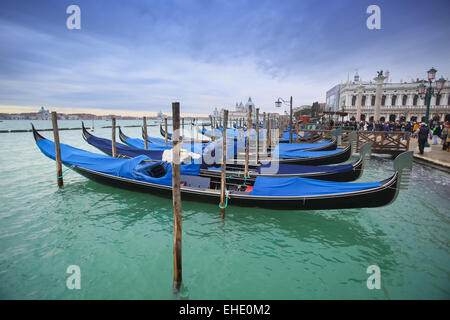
(140, 55)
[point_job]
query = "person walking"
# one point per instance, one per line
(436, 133)
(445, 136)
(422, 133)
(416, 127)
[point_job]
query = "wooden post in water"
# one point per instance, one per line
(224, 163)
(145, 133)
(113, 138)
(165, 127)
(182, 126)
(269, 132)
(59, 178)
(247, 145)
(257, 135)
(196, 129)
(265, 126)
(290, 123)
(212, 129)
(176, 197)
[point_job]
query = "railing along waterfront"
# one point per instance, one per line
(390, 142)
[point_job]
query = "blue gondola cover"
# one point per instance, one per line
(133, 168)
(295, 186)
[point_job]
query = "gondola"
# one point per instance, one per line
(314, 146)
(218, 134)
(122, 150)
(314, 158)
(343, 173)
(277, 193)
(283, 139)
(159, 144)
(169, 136)
(140, 144)
(297, 138)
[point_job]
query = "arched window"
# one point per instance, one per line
(353, 100)
(363, 100)
(373, 100)
(383, 100)
(404, 100)
(394, 100)
(438, 99)
(416, 97)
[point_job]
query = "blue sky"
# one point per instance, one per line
(141, 55)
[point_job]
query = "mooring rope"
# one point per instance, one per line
(64, 173)
(227, 193)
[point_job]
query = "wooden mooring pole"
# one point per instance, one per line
(145, 133)
(223, 186)
(247, 145)
(257, 135)
(290, 122)
(212, 129)
(176, 198)
(265, 126)
(165, 127)
(59, 177)
(269, 132)
(113, 138)
(196, 130)
(182, 126)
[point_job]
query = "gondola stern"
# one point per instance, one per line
(403, 165)
(364, 153)
(85, 133)
(37, 136)
(122, 136)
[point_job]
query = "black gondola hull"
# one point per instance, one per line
(169, 137)
(375, 197)
(342, 176)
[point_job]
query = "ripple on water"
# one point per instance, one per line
(123, 240)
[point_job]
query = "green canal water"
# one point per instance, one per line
(122, 241)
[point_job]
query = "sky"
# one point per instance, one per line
(137, 57)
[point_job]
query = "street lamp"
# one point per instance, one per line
(426, 92)
(278, 104)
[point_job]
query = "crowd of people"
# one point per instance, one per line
(434, 130)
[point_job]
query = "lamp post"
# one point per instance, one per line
(278, 104)
(426, 92)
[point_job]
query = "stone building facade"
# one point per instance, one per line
(399, 101)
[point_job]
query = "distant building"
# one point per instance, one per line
(399, 101)
(332, 98)
(240, 111)
(161, 115)
(43, 114)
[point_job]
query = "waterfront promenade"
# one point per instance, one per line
(436, 158)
